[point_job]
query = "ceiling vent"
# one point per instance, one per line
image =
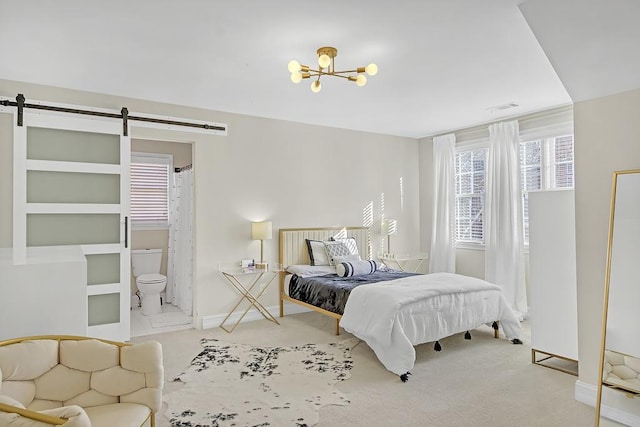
(503, 107)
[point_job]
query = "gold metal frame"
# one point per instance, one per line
(245, 292)
(49, 419)
(548, 356)
(605, 308)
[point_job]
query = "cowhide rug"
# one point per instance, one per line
(243, 385)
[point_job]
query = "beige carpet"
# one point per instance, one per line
(481, 382)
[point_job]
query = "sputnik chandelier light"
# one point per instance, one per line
(326, 67)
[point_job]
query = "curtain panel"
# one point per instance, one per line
(442, 257)
(179, 291)
(503, 217)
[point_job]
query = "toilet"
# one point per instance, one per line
(146, 269)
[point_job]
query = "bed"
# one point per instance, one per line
(391, 311)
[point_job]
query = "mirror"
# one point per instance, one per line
(620, 347)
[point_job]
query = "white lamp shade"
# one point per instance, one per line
(389, 227)
(261, 230)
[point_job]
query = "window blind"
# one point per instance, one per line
(149, 192)
(470, 195)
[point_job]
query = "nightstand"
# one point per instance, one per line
(251, 283)
(408, 263)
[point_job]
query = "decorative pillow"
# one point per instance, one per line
(305, 270)
(317, 252)
(336, 249)
(346, 258)
(350, 242)
(356, 268)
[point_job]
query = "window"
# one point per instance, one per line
(545, 163)
(150, 190)
(470, 195)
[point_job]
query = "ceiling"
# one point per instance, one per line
(443, 65)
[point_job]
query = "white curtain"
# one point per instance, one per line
(503, 222)
(180, 264)
(442, 257)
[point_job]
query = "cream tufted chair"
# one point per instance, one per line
(79, 382)
(621, 370)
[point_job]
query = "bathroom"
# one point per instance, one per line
(171, 309)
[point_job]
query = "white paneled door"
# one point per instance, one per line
(71, 188)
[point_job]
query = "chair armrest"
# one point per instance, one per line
(75, 416)
(36, 416)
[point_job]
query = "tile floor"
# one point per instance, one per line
(171, 319)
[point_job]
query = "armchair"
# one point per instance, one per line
(77, 381)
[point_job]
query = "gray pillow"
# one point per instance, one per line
(336, 249)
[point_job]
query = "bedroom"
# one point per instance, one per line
(246, 176)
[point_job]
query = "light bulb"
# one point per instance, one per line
(361, 80)
(294, 66)
(324, 60)
(316, 86)
(296, 77)
(371, 69)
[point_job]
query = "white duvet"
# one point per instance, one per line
(393, 316)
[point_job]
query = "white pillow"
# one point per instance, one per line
(346, 258)
(311, 270)
(356, 268)
(317, 252)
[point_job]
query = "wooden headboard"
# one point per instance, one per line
(293, 247)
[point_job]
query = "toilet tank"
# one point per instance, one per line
(146, 261)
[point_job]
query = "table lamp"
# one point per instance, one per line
(261, 231)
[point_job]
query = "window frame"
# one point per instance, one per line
(473, 145)
(543, 134)
(547, 138)
(152, 158)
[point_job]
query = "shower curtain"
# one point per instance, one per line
(180, 264)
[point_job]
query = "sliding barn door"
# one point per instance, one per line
(71, 187)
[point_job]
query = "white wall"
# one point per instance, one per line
(294, 175)
(607, 138)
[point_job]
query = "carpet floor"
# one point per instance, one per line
(477, 382)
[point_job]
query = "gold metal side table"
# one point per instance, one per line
(251, 283)
(408, 263)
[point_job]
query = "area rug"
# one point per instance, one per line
(244, 385)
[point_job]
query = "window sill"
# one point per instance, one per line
(149, 227)
(470, 246)
(481, 247)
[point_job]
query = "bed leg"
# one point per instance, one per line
(337, 326)
(496, 333)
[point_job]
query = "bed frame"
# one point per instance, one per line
(293, 251)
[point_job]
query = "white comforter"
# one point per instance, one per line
(393, 316)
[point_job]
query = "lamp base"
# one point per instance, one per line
(262, 265)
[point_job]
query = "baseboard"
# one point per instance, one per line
(587, 394)
(213, 321)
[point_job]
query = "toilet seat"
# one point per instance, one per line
(151, 278)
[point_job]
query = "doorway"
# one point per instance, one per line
(174, 315)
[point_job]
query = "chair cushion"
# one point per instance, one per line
(118, 414)
(17, 361)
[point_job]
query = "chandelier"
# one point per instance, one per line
(326, 67)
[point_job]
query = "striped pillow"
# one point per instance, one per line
(356, 268)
